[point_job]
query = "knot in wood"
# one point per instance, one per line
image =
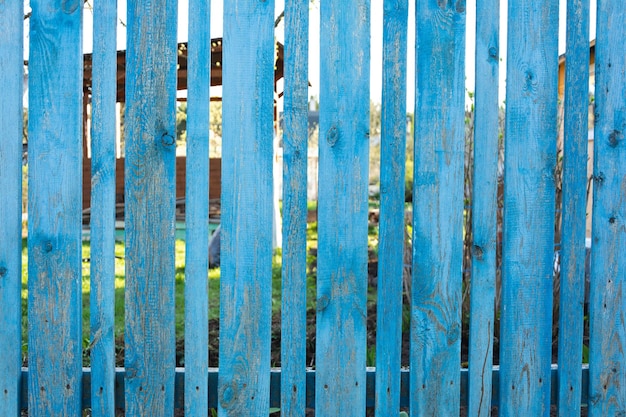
(493, 53)
(322, 302)
(477, 252)
(167, 140)
(3, 271)
(332, 136)
(228, 395)
(615, 137)
(69, 6)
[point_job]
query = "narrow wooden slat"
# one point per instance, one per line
(607, 352)
(295, 136)
(54, 208)
(246, 259)
(342, 209)
(149, 207)
(438, 208)
(11, 73)
(484, 208)
(528, 245)
(392, 233)
(102, 296)
(572, 293)
(197, 210)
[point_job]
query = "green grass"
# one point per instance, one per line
(213, 290)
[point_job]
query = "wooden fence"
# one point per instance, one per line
(526, 382)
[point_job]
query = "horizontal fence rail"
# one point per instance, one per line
(276, 377)
(479, 242)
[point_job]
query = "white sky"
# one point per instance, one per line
(376, 40)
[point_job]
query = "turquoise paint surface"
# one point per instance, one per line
(55, 209)
(11, 49)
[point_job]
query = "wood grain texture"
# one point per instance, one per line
(102, 295)
(607, 345)
(392, 227)
(294, 281)
(150, 201)
(572, 293)
(529, 203)
(54, 208)
(484, 208)
(246, 259)
(342, 209)
(11, 76)
(197, 211)
(438, 208)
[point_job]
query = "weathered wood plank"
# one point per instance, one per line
(342, 209)
(392, 226)
(54, 208)
(295, 137)
(572, 293)
(438, 208)
(607, 352)
(197, 210)
(484, 208)
(528, 245)
(150, 202)
(11, 78)
(246, 260)
(102, 295)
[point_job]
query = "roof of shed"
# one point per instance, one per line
(216, 67)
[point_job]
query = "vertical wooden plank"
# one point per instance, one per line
(342, 209)
(150, 202)
(438, 208)
(197, 210)
(11, 79)
(484, 208)
(55, 209)
(607, 354)
(295, 137)
(102, 296)
(246, 261)
(572, 293)
(528, 246)
(392, 233)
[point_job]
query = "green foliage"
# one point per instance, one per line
(370, 356)
(181, 123)
(215, 118)
(215, 126)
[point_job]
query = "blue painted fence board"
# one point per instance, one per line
(484, 208)
(55, 208)
(607, 352)
(294, 280)
(197, 210)
(342, 209)
(392, 225)
(11, 78)
(572, 288)
(149, 207)
(102, 236)
(246, 234)
(529, 203)
(438, 208)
